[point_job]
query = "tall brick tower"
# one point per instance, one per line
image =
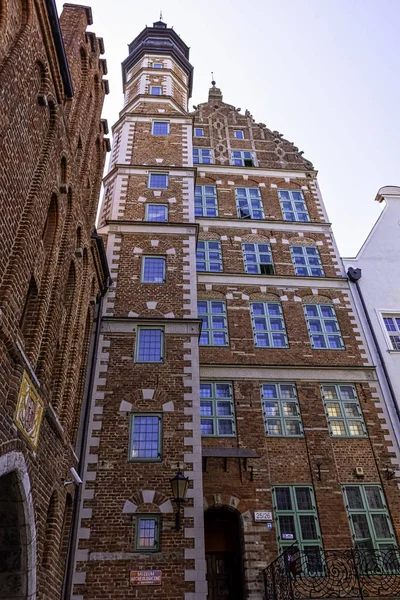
(272, 409)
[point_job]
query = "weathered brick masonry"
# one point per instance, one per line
(232, 472)
(52, 274)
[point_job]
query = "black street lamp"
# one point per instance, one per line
(179, 486)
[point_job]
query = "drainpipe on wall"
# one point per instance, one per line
(355, 275)
(84, 423)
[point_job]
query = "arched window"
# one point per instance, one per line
(29, 312)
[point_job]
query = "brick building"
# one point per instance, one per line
(53, 272)
(229, 349)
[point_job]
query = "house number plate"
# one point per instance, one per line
(262, 515)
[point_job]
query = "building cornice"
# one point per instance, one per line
(292, 281)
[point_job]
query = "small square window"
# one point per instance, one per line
(158, 181)
(147, 535)
(239, 134)
(160, 128)
(157, 213)
(153, 270)
(150, 345)
(155, 90)
(157, 65)
(202, 155)
(243, 158)
(198, 132)
(145, 438)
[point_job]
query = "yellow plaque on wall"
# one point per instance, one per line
(29, 411)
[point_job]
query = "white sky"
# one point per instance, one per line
(325, 73)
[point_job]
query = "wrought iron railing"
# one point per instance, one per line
(337, 574)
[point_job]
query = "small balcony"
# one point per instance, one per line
(333, 574)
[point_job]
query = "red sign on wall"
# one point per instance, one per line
(145, 577)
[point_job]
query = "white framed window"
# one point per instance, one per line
(306, 261)
(343, 410)
(149, 345)
(268, 325)
(155, 90)
(209, 256)
(391, 322)
(293, 205)
(198, 132)
(243, 158)
(205, 201)
(239, 134)
(153, 269)
(202, 155)
(323, 327)
(281, 409)
(158, 181)
(248, 202)
(217, 409)
(157, 213)
(157, 65)
(214, 328)
(160, 128)
(258, 258)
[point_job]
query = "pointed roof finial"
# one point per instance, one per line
(161, 17)
(212, 79)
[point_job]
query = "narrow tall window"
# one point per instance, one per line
(268, 325)
(145, 439)
(371, 527)
(157, 213)
(150, 345)
(147, 536)
(243, 158)
(205, 201)
(155, 90)
(158, 181)
(214, 330)
(323, 327)
(306, 261)
(392, 325)
(217, 409)
(160, 128)
(297, 525)
(258, 258)
(199, 132)
(248, 202)
(202, 155)
(343, 410)
(293, 205)
(153, 270)
(209, 256)
(281, 409)
(239, 134)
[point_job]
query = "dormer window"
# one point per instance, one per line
(239, 134)
(155, 90)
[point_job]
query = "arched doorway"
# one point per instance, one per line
(223, 554)
(13, 559)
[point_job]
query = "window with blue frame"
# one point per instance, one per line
(160, 128)
(248, 202)
(243, 158)
(205, 201)
(209, 256)
(153, 270)
(343, 410)
(281, 409)
(202, 155)
(157, 213)
(149, 345)
(155, 90)
(217, 412)
(323, 327)
(306, 261)
(293, 205)
(258, 258)
(214, 329)
(268, 325)
(158, 181)
(145, 438)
